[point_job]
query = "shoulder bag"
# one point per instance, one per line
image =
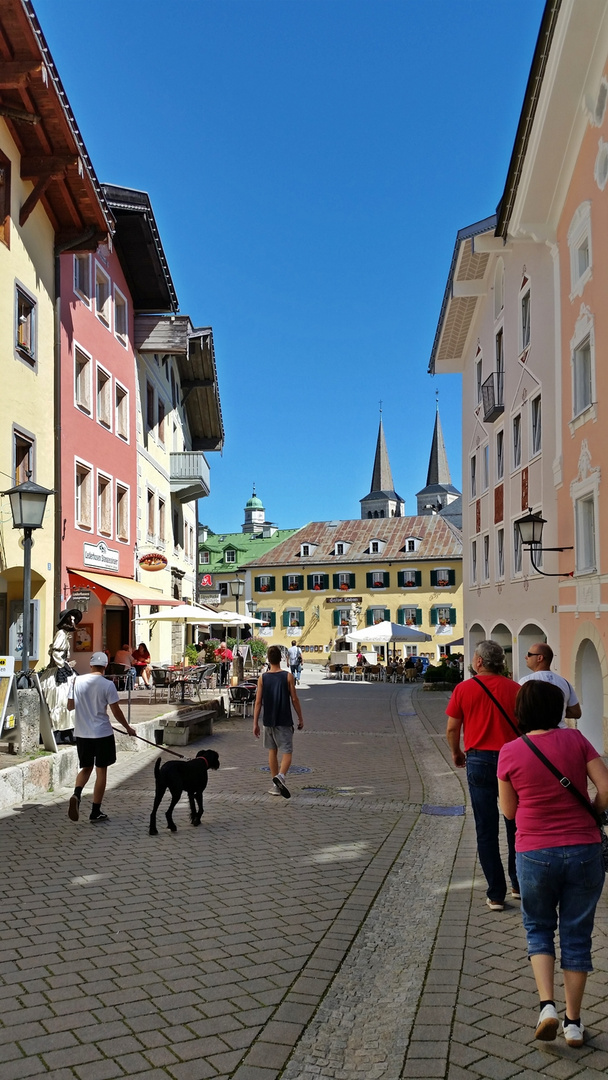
(569, 786)
(497, 703)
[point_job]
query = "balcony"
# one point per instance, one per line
(189, 476)
(491, 397)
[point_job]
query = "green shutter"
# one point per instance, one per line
(273, 618)
(285, 618)
(301, 618)
(387, 614)
(452, 614)
(309, 581)
(300, 581)
(418, 616)
(434, 579)
(272, 585)
(401, 616)
(433, 614)
(418, 574)
(285, 583)
(325, 581)
(336, 617)
(352, 580)
(369, 578)
(387, 579)
(336, 581)
(452, 577)
(401, 579)
(369, 617)
(256, 584)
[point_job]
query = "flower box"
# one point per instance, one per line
(344, 586)
(344, 622)
(263, 588)
(409, 584)
(378, 585)
(316, 588)
(293, 588)
(409, 622)
(442, 581)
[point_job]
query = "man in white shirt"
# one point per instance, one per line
(89, 699)
(538, 660)
(294, 656)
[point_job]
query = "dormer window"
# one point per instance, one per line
(230, 555)
(412, 543)
(204, 556)
(339, 549)
(376, 547)
(307, 549)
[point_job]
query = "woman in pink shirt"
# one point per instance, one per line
(558, 850)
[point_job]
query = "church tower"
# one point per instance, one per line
(255, 518)
(439, 491)
(382, 501)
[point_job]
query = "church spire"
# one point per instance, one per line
(439, 470)
(382, 500)
(382, 479)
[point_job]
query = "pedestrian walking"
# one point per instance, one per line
(89, 700)
(276, 693)
(483, 709)
(559, 853)
(294, 655)
(538, 661)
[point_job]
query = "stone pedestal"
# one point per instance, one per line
(28, 733)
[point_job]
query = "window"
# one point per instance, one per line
(24, 458)
(582, 376)
(374, 547)
(441, 577)
(478, 379)
(516, 550)
(266, 617)
(84, 512)
(150, 413)
(499, 288)
(191, 531)
(600, 105)
(344, 581)
(150, 514)
(500, 356)
(474, 476)
(176, 539)
(82, 277)
(339, 549)
(408, 614)
(485, 467)
(266, 583)
(474, 561)
(579, 242)
(161, 421)
(121, 326)
(585, 533)
(525, 320)
(411, 545)
(104, 505)
(162, 536)
(223, 588)
(536, 425)
(516, 441)
(173, 390)
(443, 615)
(486, 558)
(186, 548)
(204, 557)
(342, 617)
(319, 581)
(104, 398)
(230, 555)
(5, 199)
(293, 617)
(121, 397)
(500, 455)
(293, 582)
(305, 549)
(122, 512)
(500, 553)
(408, 578)
(82, 380)
(102, 295)
(25, 339)
(376, 615)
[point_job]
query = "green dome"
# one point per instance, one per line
(254, 503)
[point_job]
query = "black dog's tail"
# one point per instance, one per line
(157, 767)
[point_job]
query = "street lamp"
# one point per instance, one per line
(28, 504)
(237, 589)
(530, 529)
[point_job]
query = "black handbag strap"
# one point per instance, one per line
(497, 703)
(564, 781)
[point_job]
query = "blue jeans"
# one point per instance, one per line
(483, 789)
(567, 881)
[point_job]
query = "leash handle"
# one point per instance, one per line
(162, 749)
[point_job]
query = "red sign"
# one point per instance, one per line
(206, 581)
(153, 561)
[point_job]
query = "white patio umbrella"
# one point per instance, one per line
(185, 615)
(384, 632)
(230, 618)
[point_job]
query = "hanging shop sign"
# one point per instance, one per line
(153, 560)
(100, 556)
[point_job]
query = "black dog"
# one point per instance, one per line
(179, 776)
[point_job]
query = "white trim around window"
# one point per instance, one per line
(582, 366)
(103, 296)
(122, 506)
(584, 492)
(105, 505)
(83, 380)
(121, 317)
(536, 425)
(579, 243)
(83, 495)
(103, 397)
(82, 277)
(121, 411)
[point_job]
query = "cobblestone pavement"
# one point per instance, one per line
(340, 934)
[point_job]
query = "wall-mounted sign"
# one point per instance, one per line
(345, 601)
(206, 581)
(153, 561)
(100, 555)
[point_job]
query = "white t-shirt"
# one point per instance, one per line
(566, 688)
(295, 656)
(92, 694)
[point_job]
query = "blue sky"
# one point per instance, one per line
(309, 163)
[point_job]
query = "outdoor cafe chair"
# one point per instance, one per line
(239, 698)
(118, 674)
(359, 673)
(161, 681)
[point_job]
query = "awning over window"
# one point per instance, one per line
(104, 585)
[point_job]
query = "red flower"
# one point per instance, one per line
(344, 586)
(316, 587)
(264, 588)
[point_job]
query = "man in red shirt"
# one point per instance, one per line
(476, 709)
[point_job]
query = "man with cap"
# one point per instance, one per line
(89, 698)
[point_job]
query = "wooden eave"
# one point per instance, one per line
(38, 115)
(140, 250)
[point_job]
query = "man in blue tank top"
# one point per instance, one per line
(276, 693)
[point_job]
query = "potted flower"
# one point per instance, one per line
(316, 587)
(378, 584)
(344, 586)
(409, 583)
(377, 621)
(294, 622)
(442, 581)
(263, 588)
(409, 622)
(443, 622)
(292, 588)
(344, 622)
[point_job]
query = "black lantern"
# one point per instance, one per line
(530, 529)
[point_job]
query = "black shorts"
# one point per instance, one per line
(101, 752)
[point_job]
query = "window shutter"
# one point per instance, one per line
(271, 584)
(300, 581)
(434, 579)
(369, 616)
(452, 616)
(418, 574)
(433, 614)
(452, 577)
(401, 616)
(387, 579)
(336, 617)
(325, 581)
(256, 584)
(285, 583)
(401, 579)
(273, 618)
(418, 616)
(387, 614)
(352, 580)
(300, 618)
(309, 581)
(336, 581)
(285, 618)
(369, 579)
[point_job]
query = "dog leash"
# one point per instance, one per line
(163, 749)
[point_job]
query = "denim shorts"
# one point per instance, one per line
(561, 886)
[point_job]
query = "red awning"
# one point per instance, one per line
(103, 585)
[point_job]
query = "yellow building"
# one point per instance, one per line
(49, 201)
(404, 569)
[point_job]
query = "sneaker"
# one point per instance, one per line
(515, 893)
(548, 1023)
(573, 1033)
(494, 905)
(274, 791)
(98, 817)
(73, 808)
(278, 783)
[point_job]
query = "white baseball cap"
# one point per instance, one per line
(99, 659)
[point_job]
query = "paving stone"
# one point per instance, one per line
(268, 1055)
(106, 1069)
